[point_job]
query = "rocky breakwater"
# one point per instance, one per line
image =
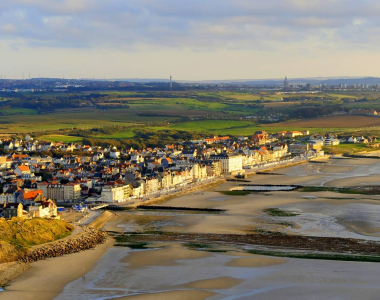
(88, 239)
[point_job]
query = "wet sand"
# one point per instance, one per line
(214, 284)
(47, 278)
(168, 256)
(200, 278)
(335, 169)
(172, 295)
(354, 181)
(254, 262)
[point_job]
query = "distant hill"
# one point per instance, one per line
(272, 82)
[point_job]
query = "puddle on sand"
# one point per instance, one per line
(220, 199)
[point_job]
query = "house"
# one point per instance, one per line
(14, 210)
(115, 154)
(260, 138)
(8, 145)
(21, 170)
(300, 148)
(331, 142)
(27, 196)
(280, 150)
(45, 209)
(190, 154)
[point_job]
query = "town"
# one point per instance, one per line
(33, 183)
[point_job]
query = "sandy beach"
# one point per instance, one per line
(47, 278)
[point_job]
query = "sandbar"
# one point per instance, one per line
(162, 257)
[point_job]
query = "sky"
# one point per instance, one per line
(189, 39)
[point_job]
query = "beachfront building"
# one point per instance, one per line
(72, 191)
(229, 163)
(114, 193)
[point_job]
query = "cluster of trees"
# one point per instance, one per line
(93, 131)
(311, 112)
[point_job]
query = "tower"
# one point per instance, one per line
(171, 82)
(286, 83)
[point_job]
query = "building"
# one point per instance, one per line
(6, 198)
(331, 142)
(260, 138)
(72, 191)
(44, 209)
(14, 210)
(213, 168)
(229, 163)
(286, 82)
(298, 149)
(61, 192)
(22, 170)
(113, 193)
(28, 196)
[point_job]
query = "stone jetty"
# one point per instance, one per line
(89, 238)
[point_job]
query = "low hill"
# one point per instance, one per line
(17, 235)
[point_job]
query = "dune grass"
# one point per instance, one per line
(17, 235)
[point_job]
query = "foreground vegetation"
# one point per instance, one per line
(18, 235)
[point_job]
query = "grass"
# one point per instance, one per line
(60, 138)
(323, 256)
(18, 111)
(235, 193)
(276, 212)
(17, 235)
(348, 148)
(334, 122)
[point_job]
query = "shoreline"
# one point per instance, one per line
(46, 279)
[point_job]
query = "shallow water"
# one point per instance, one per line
(328, 219)
(111, 278)
(265, 188)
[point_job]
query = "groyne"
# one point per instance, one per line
(89, 238)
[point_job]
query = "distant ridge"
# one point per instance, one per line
(269, 82)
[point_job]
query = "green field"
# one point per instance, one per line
(214, 112)
(348, 148)
(60, 138)
(17, 111)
